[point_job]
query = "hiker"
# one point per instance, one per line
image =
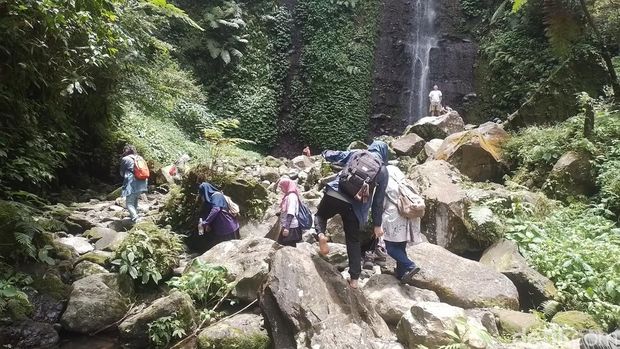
(399, 230)
(135, 179)
(290, 232)
(216, 220)
(360, 185)
(601, 341)
(435, 98)
(306, 151)
(176, 171)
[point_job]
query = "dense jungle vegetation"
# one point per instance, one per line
(247, 78)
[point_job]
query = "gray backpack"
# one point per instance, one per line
(358, 177)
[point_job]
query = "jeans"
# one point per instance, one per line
(331, 206)
(398, 251)
(131, 201)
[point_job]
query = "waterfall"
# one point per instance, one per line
(423, 39)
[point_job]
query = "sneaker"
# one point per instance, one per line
(406, 279)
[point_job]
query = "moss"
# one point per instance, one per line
(240, 341)
(52, 285)
(18, 309)
(577, 320)
(102, 258)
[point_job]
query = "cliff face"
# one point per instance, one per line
(451, 62)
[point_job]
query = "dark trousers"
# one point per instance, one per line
(331, 206)
(398, 251)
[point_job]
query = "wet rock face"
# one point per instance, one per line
(29, 334)
(451, 62)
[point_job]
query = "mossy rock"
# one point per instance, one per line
(243, 331)
(357, 145)
(102, 258)
(18, 309)
(577, 320)
(114, 194)
(52, 285)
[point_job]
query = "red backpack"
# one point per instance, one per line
(140, 168)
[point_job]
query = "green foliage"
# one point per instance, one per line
(166, 330)
(534, 151)
(332, 93)
(206, 284)
(575, 248)
(473, 8)
(515, 59)
(13, 301)
(148, 253)
(21, 233)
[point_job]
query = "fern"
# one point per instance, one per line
(561, 27)
(481, 215)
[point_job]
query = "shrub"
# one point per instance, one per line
(207, 284)
(148, 253)
(575, 248)
(13, 301)
(165, 330)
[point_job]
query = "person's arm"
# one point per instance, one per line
(337, 157)
(378, 199)
(126, 165)
(211, 217)
(291, 210)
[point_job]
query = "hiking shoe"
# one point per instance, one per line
(406, 279)
(380, 254)
(369, 260)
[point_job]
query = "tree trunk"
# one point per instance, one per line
(615, 84)
(588, 124)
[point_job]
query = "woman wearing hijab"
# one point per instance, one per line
(399, 230)
(354, 213)
(289, 208)
(215, 218)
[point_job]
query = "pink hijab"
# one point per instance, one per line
(287, 186)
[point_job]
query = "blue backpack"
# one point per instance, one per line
(304, 217)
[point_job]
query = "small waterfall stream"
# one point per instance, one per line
(423, 39)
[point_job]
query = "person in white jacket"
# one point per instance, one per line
(399, 231)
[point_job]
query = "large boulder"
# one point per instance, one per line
(28, 334)
(97, 301)
(134, 329)
(437, 127)
(391, 299)
(428, 323)
(572, 175)
(307, 303)
(86, 268)
(431, 147)
(461, 282)
(303, 162)
(448, 197)
(111, 242)
(80, 244)
(534, 288)
(410, 144)
(247, 262)
(239, 331)
(514, 322)
(476, 153)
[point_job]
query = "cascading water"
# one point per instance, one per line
(422, 40)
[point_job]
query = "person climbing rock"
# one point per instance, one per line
(435, 97)
(134, 182)
(358, 187)
(290, 233)
(306, 151)
(216, 221)
(399, 230)
(601, 341)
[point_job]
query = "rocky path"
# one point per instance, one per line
(295, 298)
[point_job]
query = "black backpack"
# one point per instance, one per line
(358, 177)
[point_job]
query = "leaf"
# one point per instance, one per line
(518, 4)
(225, 56)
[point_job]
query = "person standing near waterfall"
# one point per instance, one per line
(435, 99)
